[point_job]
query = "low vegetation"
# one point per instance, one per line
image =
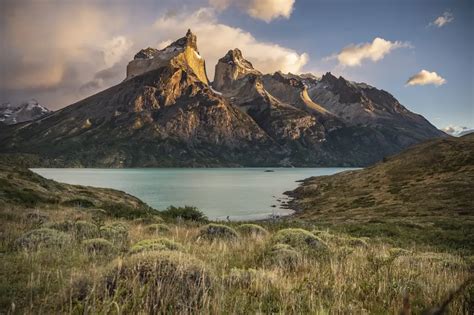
(298, 269)
(184, 213)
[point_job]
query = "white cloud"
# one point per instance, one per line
(50, 58)
(354, 55)
(457, 130)
(115, 48)
(215, 39)
(425, 77)
(265, 10)
(442, 20)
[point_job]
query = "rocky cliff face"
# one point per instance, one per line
(166, 113)
(26, 111)
(183, 53)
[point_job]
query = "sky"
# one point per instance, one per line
(421, 51)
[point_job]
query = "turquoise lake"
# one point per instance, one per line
(240, 193)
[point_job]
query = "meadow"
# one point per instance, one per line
(57, 259)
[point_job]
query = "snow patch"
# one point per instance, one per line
(215, 92)
(197, 54)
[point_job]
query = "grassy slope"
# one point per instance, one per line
(20, 186)
(421, 196)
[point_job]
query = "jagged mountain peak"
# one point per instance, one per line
(234, 56)
(182, 53)
(189, 40)
(22, 112)
(232, 67)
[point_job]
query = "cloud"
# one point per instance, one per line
(354, 55)
(425, 77)
(442, 20)
(115, 49)
(457, 130)
(215, 39)
(47, 55)
(266, 10)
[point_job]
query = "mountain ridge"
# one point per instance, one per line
(167, 113)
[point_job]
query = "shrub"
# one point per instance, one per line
(218, 232)
(63, 226)
(43, 237)
(283, 256)
(80, 229)
(158, 228)
(85, 230)
(164, 281)
(117, 233)
(185, 213)
(300, 239)
(97, 246)
(98, 216)
(252, 230)
(154, 245)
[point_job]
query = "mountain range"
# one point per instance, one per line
(26, 111)
(168, 113)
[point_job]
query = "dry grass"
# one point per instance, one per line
(223, 276)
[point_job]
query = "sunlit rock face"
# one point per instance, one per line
(183, 52)
(233, 66)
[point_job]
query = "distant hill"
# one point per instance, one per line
(426, 191)
(22, 187)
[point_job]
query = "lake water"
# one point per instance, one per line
(240, 193)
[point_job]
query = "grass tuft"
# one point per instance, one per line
(154, 245)
(215, 231)
(43, 238)
(252, 230)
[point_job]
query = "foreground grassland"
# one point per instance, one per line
(83, 261)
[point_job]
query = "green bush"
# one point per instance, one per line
(252, 230)
(43, 237)
(283, 256)
(171, 282)
(158, 228)
(85, 230)
(154, 245)
(185, 213)
(100, 246)
(79, 229)
(117, 233)
(300, 239)
(218, 232)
